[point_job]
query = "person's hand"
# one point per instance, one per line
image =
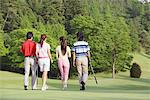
(36, 61)
(89, 60)
(74, 65)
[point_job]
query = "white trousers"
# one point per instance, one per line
(29, 62)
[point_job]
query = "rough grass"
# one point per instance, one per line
(121, 88)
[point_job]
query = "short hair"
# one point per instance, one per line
(29, 35)
(80, 36)
(61, 38)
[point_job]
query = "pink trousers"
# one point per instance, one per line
(64, 67)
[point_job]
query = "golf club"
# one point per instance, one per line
(37, 74)
(93, 72)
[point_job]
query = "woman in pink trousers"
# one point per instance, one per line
(63, 52)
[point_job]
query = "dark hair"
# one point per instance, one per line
(80, 36)
(63, 43)
(43, 37)
(29, 35)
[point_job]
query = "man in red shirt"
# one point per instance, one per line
(28, 49)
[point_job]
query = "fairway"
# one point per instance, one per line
(121, 88)
(107, 40)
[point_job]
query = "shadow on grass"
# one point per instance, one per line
(11, 88)
(113, 89)
(144, 80)
(134, 89)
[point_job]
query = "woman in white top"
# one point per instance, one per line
(43, 55)
(62, 54)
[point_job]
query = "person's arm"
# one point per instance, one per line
(69, 52)
(49, 53)
(22, 49)
(50, 56)
(37, 53)
(74, 58)
(34, 49)
(88, 53)
(57, 53)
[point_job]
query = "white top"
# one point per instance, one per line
(80, 43)
(60, 55)
(42, 51)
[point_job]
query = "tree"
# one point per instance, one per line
(11, 19)
(50, 10)
(110, 41)
(145, 41)
(118, 44)
(3, 50)
(72, 8)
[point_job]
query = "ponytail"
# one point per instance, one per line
(63, 44)
(43, 37)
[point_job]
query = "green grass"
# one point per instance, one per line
(121, 88)
(144, 61)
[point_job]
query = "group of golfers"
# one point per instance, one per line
(38, 54)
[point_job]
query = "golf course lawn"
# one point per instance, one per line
(121, 88)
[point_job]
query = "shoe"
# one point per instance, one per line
(83, 86)
(35, 88)
(64, 87)
(25, 87)
(45, 87)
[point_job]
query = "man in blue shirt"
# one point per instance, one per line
(81, 54)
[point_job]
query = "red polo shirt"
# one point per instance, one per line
(28, 48)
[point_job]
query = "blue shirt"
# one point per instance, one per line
(80, 48)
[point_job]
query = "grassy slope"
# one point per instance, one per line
(121, 88)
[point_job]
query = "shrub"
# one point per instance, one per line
(135, 71)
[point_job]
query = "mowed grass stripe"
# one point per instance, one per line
(121, 88)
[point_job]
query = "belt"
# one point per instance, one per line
(43, 57)
(29, 56)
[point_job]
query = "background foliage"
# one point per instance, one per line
(113, 28)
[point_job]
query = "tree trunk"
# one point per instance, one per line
(113, 62)
(113, 69)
